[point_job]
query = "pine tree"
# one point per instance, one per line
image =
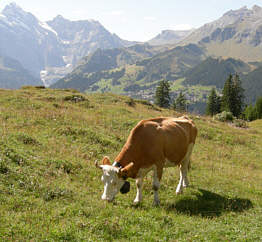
(238, 96)
(227, 95)
(233, 96)
(213, 103)
(179, 103)
(162, 96)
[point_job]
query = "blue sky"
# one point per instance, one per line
(138, 20)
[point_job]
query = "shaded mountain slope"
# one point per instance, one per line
(13, 75)
(214, 72)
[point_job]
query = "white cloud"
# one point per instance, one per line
(182, 27)
(149, 18)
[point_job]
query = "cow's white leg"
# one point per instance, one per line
(183, 181)
(139, 184)
(156, 185)
(179, 188)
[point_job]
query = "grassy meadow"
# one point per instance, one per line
(50, 189)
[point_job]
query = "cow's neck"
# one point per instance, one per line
(127, 155)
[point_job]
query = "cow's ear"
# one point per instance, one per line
(106, 161)
(126, 171)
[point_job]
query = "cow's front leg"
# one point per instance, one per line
(139, 184)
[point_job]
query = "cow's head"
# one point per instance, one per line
(114, 179)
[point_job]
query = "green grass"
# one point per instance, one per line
(50, 189)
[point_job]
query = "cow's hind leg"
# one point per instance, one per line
(183, 171)
(183, 182)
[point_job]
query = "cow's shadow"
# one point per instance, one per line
(208, 204)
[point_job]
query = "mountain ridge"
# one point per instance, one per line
(237, 34)
(169, 37)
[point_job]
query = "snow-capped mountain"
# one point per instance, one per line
(28, 40)
(50, 49)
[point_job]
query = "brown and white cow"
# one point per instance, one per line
(152, 145)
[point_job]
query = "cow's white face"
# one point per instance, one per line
(112, 182)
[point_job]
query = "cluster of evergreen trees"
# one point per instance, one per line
(162, 97)
(232, 100)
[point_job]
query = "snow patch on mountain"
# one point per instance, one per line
(47, 27)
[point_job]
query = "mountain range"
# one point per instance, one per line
(237, 34)
(51, 49)
(84, 55)
(199, 61)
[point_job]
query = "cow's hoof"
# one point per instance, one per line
(179, 192)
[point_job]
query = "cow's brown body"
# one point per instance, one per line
(154, 141)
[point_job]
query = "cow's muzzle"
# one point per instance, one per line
(125, 188)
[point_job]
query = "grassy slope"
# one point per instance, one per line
(50, 189)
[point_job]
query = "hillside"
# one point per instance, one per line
(252, 83)
(137, 79)
(214, 72)
(13, 75)
(106, 59)
(51, 190)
